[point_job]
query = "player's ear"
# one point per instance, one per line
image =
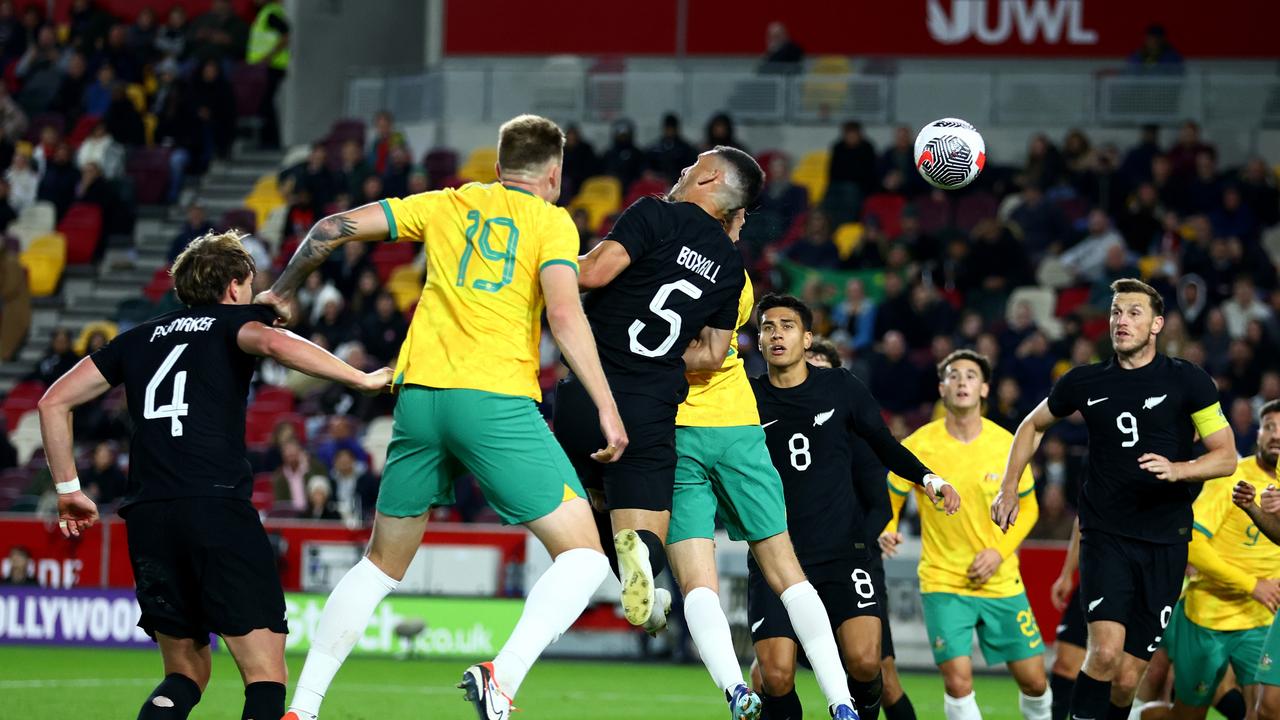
(808, 339)
(1157, 324)
(984, 390)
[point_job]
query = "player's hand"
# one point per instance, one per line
(945, 493)
(1243, 495)
(1004, 510)
(1060, 593)
(1267, 592)
(1270, 501)
(275, 302)
(76, 512)
(889, 543)
(984, 565)
(615, 436)
(373, 383)
(733, 227)
(1160, 466)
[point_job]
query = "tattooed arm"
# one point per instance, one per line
(367, 223)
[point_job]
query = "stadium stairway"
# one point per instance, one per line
(92, 293)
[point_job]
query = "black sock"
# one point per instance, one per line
(1090, 698)
(866, 696)
(604, 526)
(1115, 712)
(657, 554)
(782, 707)
(172, 699)
(1061, 687)
(902, 710)
(1231, 705)
(263, 701)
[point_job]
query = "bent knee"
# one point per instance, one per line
(778, 680)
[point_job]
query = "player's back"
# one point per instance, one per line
(478, 321)
(723, 397)
(685, 274)
(187, 383)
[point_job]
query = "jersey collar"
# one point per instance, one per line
(519, 190)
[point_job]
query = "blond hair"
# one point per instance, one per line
(210, 263)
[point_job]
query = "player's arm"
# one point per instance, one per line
(367, 223)
(1265, 517)
(604, 263)
(1005, 508)
(708, 350)
(1062, 587)
(572, 333)
(1219, 461)
(890, 538)
(988, 561)
(82, 383)
(300, 354)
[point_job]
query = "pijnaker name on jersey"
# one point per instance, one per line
(186, 324)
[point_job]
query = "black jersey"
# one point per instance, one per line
(810, 430)
(1130, 413)
(187, 382)
(685, 274)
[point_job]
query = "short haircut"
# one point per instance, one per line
(982, 361)
(22, 550)
(772, 300)
(745, 177)
(1271, 406)
(527, 142)
(826, 348)
(210, 263)
(1134, 285)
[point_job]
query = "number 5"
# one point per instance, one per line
(177, 407)
(671, 316)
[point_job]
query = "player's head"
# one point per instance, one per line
(964, 379)
(724, 176)
(531, 151)
(214, 269)
(1137, 316)
(823, 353)
(784, 330)
(1269, 433)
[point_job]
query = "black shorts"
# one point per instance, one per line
(1132, 582)
(203, 565)
(644, 478)
(849, 591)
(877, 577)
(1072, 628)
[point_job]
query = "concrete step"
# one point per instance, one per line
(33, 351)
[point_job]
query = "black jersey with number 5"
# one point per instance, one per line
(187, 381)
(810, 430)
(1130, 413)
(685, 274)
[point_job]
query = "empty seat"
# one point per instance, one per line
(388, 256)
(45, 260)
(479, 166)
(811, 174)
(161, 283)
(148, 168)
(82, 227)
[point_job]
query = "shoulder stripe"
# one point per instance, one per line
(393, 233)
(559, 261)
(1203, 530)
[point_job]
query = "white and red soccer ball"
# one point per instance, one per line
(950, 153)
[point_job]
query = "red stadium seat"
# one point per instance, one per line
(644, 187)
(1069, 299)
(973, 208)
(83, 127)
(389, 256)
(149, 170)
(259, 424)
(933, 213)
(161, 283)
(440, 164)
(15, 408)
(242, 219)
(887, 209)
(269, 396)
(27, 389)
(82, 227)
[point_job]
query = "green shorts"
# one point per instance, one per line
(1269, 664)
(725, 468)
(1201, 656)
(439, 434)
(1007, 629)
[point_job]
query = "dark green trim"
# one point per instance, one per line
(1027, 492)
(393, 232)
(896, 491)
(731, 353)
(558, 261)
(519, 190)
(1204, 530)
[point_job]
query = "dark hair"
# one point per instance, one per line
(983, 362)
(1271, 406)
(772, 300)
(826, 348)
(525, 142)
(202, 272)
(850, 125)
(748, 171)
(1134, 285)
(671, 120)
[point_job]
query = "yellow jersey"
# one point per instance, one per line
(1229, 554)
(949, 544)
(479, 320)
(723, 398)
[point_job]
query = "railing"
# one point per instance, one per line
(1000, 98)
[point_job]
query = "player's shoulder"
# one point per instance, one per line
(1249, 470)
(992, 432)
(1087, 371)
(1185, 369)
(926, 434)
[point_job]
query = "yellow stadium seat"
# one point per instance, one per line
(811, 174)
(831, 65)
(108, 329)
(847, 238)
(600, 196)
(44, 260)
(405, 285)
(266, 185)
(149, 122)
(1148, 265)
(264, 198)
(824, 88)
(603, 187)
(479, 166)
(137, 95)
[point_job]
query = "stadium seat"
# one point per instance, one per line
(377, 437)
(45, 260)
(440, 163)
(405, 285)
(645, 187)
(348, 129)
(1043, 302)
(26, 436)
(887, 210)
(161, 283)
(811, 174)
(149, 124)
(14, 409)
(1149, 265)
(242, 219)
(148, 167)
(272, 396)
(847, 238)
(81, 130)
(1070, 299)
(389, 256)
(600, 196)
(40, 214)
(824, 87)
(264, 199)
(974, 207)
(258, 426)
(38, 123)
(479, 166)
(933, 212)
(82, 227)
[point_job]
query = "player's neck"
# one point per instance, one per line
(963, 425)
(1138, 359)
(790, 376)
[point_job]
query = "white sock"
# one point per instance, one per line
(1036, 708)
(1135, 712)
(346, 613)
(965, 708)
(709, 629)
(812, 627)
(555, 601)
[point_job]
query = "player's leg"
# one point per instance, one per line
(1200, 658)
(186, 674)
(1068, 655)
(1267, 675)
(950, 620)
(894, 701)
(1157, 573)
(1108, 584)
(1239, 690)
(773, 673)
(1008, 633)
(859, 640)
(260, 656)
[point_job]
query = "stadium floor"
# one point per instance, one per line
(55, 683)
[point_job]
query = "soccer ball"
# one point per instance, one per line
(950, 153)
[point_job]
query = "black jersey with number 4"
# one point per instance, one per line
(1130, 413)
(187, 382)
(685, 274)
(810, 430)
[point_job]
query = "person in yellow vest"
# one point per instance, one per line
(269, 47)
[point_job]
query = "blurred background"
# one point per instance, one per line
(1124, 139)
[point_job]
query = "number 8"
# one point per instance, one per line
(862, 584)
(1130, 429)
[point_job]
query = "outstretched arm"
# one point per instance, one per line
(305, 356)
(1004, 509)
(708, 351)
(83, 383)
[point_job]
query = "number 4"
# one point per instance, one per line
(177, 407)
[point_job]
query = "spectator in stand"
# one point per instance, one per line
(22, 568)
(176, 128)
(1057, 481)
(672, 153)
(887, 205)
(342, 430)
(384, 330)
(385, 139)
(1136, 167)
(353, 169)
(355, 491)
(782, 55)
(896, 379)
(815, 249)
(1045, 166)
(580, 162)
(11, 39)
(58, 359)
(39, 72)
(171, 39)
(1040, 224)
(933, 318)
(1216, 341)
(853, 160)
(123, 121)
(269, 47)
(894, 309)
(1142, 224)
(319, 503)
(395, 181)
(69, 101)
(104, 482)
(196, 224)
(1087, 258)
(721, 131)
(7, 213)
(1204, 188)
(856, 315)
(120, 55)
(88, 26)
(273, 456)
(1183, 154)
(219, 35)
(1156, 54)
(364, 293)
(997, 262)
(623, 159)
(1268, 390)
(97, 96)
(296, 465)
(901, 156)
(1243, 307)
(1258, 191)
(142, 35)
(780, 203)
(1032, 365)
(1232, 218)
(344, 269)
(1243, 374)
(1077, 155)
(214, 110)
(13, 121)
(314, 177)
(58, 185)
(1007, 409)
(1243, 426)
(101, 149)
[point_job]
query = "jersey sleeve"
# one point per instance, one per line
(639, 228)
(870, 426)
(1202, 401)
(726, 316)
(407, 217)
(242, 316)
(559, 241)
(110, 361)
(1062, 398)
